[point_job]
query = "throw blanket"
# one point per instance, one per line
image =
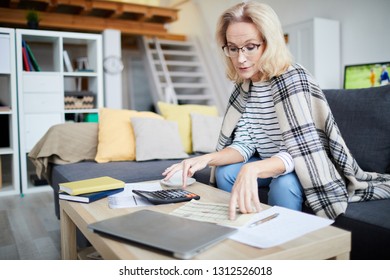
(329, 174)
(63, 144)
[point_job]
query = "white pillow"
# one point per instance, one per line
(205, 132)
(157, 139)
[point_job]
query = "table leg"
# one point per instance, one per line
(68, 237)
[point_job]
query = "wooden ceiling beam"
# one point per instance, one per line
(87, 23)
(112, 7)
(93, 16)
(149, 11)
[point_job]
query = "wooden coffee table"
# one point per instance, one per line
(327, 243)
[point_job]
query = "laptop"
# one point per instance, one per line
(181, 237)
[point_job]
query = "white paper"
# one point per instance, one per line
(129, 199)
(288, 225)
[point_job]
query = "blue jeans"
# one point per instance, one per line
(285, 190)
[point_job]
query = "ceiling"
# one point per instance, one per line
(92, 16)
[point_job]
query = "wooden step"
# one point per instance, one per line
(187, 85)
(179, 63)
(193, 97)
(170, 43)
(182, 74)
(176, 52)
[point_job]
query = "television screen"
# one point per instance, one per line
(366, 75)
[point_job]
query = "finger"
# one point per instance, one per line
(191, 171)
(256, 201)
(186, 167)
(248, 203)
(233, 207)
(258, 205)
(241, 203)
(171, 172)
(168, 169)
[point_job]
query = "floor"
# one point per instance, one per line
(29, 229)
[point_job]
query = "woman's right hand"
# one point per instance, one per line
(188, 166)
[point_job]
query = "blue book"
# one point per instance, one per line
(88, 197)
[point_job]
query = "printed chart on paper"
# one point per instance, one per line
(210, 212)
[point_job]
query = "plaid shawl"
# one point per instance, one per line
(329, 174)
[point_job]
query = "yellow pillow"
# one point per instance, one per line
(181, 114)
(116, 140)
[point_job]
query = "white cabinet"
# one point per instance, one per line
(315, 44)
(9, 151)
(52, 92)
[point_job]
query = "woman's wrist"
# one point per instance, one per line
(211, 158)
(266, 168)
(224, 157)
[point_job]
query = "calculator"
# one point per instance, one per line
(167, 196)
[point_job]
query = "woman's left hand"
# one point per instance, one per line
(244, 194)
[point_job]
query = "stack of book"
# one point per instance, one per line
(29, 61)
(90, 190)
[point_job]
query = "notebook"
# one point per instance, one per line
(98, 184)
(181, 237)
(88, 197)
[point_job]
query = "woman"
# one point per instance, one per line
(278, 129)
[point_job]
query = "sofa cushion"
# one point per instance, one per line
(205, 131)
(369, 223)
(157, 139)
(181, 114)
(363, 117)
(116, 141)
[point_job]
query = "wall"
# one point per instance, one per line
(364, 23)
(197, 20)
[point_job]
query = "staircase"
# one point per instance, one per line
(178, 72)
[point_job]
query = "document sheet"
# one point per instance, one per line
(210, 212)
(286, 226)
(129, 199)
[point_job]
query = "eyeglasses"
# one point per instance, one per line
(247, 50)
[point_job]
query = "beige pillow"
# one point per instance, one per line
(157, 139)
(116, 140)
(181, 114)
(205, 132)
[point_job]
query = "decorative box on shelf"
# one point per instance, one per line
(79, 100)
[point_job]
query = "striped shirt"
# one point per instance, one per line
(258, 129)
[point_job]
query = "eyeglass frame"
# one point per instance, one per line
(242, 49)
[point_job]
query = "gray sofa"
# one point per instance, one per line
(363, 117)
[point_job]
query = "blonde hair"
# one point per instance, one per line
(276, 57)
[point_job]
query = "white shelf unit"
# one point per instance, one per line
(9, 152)
(42, 93)
(315, 44)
